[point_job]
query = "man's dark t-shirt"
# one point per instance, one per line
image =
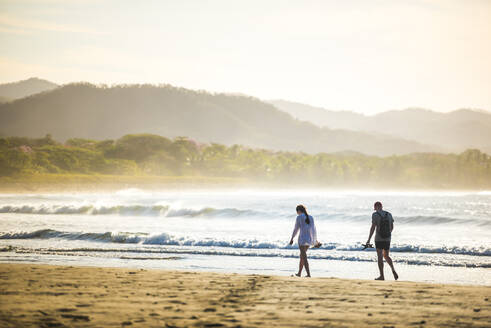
(376, 220)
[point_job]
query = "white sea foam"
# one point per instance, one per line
(172, 210)
(168, 239)
(127, 210)
(431, 229)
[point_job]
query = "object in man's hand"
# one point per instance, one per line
(317, 245)
(365, 246)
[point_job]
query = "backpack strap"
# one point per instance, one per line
(383, 217)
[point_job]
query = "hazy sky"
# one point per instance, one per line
(366, 56)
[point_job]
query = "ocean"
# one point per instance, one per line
(441, 237)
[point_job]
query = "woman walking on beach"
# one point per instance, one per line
(306, 238)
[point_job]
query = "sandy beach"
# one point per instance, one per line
(65, 296)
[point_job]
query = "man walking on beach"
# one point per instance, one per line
(382, 224)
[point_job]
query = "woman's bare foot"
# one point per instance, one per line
(380, 278)
(396, 276)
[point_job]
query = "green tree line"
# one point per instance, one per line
(147, 154)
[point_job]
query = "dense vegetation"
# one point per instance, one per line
(152, 155)
(87, 111)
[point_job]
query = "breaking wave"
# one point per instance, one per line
(170, 240)
(165, 253)
(127, 210)
(175, 211)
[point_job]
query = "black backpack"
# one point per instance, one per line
(384, 229)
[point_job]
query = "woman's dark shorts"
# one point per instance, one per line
(382, 245)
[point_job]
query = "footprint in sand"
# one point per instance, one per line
(66, 310)
(76, 317)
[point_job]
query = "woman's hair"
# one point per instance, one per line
(302, 209)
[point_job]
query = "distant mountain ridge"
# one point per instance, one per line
(454, 131)
(21, 89)
(88, 111)
(174, 111)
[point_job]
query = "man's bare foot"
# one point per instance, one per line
(298, 274)
(396, 276)
(307, 276)
(380, 278)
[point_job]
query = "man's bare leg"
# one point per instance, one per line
(389, 261)
(380, 259)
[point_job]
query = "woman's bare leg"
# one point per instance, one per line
(300, 265)
(303, 253)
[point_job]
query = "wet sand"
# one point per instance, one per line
(65, 296)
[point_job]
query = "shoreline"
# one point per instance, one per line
(168, 264)
(56, 183)
(80, 183)
(59, 296)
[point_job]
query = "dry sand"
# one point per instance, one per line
(63, 296)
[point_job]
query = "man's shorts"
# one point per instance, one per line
(382, 245)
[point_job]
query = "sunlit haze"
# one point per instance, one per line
(366, 56)
(228, 163)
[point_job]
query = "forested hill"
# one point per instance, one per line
(145, 155)
(454, 131)
(21, 89)
(89, 111)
